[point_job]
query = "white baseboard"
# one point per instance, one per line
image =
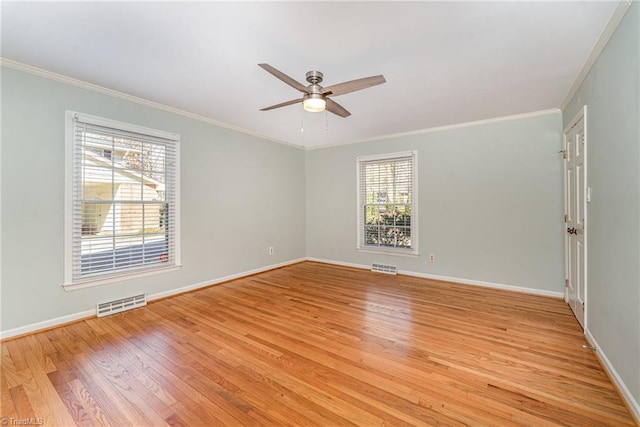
(343, 264)
(511, 288)
(633, 404)
(451, 279)
(46, 324)
(59, 321)
(206, 283)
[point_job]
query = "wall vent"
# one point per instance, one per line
(387, 269)
(119, 305)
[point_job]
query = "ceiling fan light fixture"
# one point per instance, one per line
(314, 102)
(315, 97)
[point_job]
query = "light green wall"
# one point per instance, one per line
(611, 92)
(239, 195)
(490, 202)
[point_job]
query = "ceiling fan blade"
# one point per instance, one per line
(336, 108)
(353, 85)
(282, 104)
(282, 76)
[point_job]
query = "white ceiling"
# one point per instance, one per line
(445, 62)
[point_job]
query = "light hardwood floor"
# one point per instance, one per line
(314, 344)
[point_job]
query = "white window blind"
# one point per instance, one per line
(387, 202)
(124, 215)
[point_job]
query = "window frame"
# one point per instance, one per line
(110, 276)
(361, 220)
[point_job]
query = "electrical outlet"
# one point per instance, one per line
(432, 258)
(271, 250)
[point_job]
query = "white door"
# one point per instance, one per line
(575, 215)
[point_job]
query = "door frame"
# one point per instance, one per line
(581, 114)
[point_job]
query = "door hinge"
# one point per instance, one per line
(566, 218)
(566, 283)
(564, 154)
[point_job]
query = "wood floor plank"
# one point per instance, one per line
(21, 404)
(7, 407)
(73, 404)
(90, 406)
(43, 394)
(315, 344)
(35, 398)
(8, 371)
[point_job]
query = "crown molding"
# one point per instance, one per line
(130, 98)
(446, 127)
(612, 25)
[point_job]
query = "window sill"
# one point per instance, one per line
(118, 278)
(389, 252)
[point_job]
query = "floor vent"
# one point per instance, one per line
(387, 269)
(124, 304)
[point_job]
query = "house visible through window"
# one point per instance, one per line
(122, 213)
(387, 203)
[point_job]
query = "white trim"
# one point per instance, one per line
(565, 195)
(415, 224)
(340, 263)
(124, 275)
(177, 216)
(46, 324)
(580, 115)
(585, 166)
(130, 98)
(68, 196)
(407, 254)
(155, 105)
(626, 394)
(109, 123)
(511, 288)
(612, 25)
(445, 127)
(58, 321)
(207, 283)
(491, 285)
(389, 156)
(71, 120)
(413, 252)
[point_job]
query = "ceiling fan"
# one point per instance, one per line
(316, 98)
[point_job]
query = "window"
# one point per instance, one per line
(387, 201)
(122, 213)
